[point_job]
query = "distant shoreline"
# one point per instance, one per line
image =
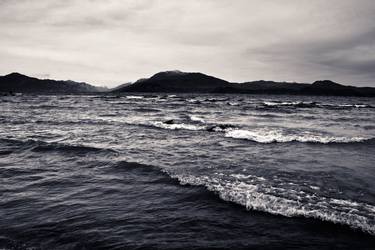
(182, 83)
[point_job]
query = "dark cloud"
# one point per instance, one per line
(114, 41)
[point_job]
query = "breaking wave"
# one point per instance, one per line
(300, 104)
(255, 197)
(199, 125)
(259, 135)
(134, 97)
(271, 136)
(177, 126)
(196, 118)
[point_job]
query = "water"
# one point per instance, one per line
(187, 171)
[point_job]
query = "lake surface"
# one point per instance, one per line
(187, 171)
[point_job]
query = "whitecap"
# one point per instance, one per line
(134, 97)
(177, 126)
(257, 197)
(196, 118)
(270, 136)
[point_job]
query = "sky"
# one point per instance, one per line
(110, 42)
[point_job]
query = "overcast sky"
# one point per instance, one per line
(116, 41)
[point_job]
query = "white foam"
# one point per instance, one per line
(177, 126)
(196, 118)
(265, 137)
(270, 103)
(134, 97)
(249, 176)
(218, 129)
(348, 105)
(314, 187)
(361, 106)
(300, 103)
(270, 136)
(192, 100)
(256, 197)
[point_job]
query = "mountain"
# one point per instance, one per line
(327, 87)
(322, 88)
(120, 86)
(183, 82)
(16, 82)
(177, 81)
(265, 87)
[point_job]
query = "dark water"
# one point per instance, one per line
(184, 171)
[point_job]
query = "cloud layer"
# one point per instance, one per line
(115, 41)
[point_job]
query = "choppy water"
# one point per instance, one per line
(187, 171)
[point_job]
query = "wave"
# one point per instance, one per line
(198, 125)
(134, 97)
(285, 202)
(300, 104)
(42, 146)
(194, 101)
(258, 196)
(259, 135)
(348, 105)
(101, 121)
(146, 110)
(252, 197)
(272, 136)
(216, 99)
(196, 118)
(290, 104)
(177, 126)
(210, 100)
(233, 103)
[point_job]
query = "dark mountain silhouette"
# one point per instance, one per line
(182, 82)
(16, 82)
(265, 87)
(327, 87)
(177, 81)
(120, 86)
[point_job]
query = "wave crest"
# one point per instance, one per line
(301, 104)
(260, 135)
(177, 126)
(42, 146)
(272, 136)
(253, 197)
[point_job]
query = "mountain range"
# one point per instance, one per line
(18, 83)
(182, 82)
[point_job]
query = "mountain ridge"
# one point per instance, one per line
(181, 82)
(16, 82)
(196, 82)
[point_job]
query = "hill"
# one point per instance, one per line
(16, 82)
(183, 82)
(177, 81)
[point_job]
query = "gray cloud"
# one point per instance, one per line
(110, 42)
